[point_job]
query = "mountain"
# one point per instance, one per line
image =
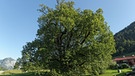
(125, 40)
(7, 63)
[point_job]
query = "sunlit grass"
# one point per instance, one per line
(115, 72)
(21, 73)
(10, 72)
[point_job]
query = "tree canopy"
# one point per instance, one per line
(70, 42)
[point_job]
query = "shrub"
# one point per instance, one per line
(112, 65)
(123, 66)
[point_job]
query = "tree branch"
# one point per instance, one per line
(85, 38)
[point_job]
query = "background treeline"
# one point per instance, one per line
(125, 40)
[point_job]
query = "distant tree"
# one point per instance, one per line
(70, 42)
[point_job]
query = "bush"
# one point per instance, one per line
(112, 65)
(123, 66)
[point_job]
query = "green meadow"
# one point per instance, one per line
(115, 72)
(21, 73)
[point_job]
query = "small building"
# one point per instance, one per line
(130, 60)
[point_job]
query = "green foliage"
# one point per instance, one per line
(113, 65)
(125, 40)
(69, 42)
(123, 66)
(31, 56)
(18, 64)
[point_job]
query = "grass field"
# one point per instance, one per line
(20, 73)
(115, 72)
(16, 73)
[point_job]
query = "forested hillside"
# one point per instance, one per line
(125, 40)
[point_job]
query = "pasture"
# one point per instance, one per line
(21, 73)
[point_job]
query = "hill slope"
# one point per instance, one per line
(125, 40)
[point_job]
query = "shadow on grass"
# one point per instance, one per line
(121, 74)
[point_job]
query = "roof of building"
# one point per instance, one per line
(124, 58)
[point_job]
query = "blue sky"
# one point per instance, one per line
(18, 20)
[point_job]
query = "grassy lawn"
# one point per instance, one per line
(20, 73)
(115, 72)
(16, 73)
(12, 72)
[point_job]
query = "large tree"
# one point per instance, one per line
(70, 41)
